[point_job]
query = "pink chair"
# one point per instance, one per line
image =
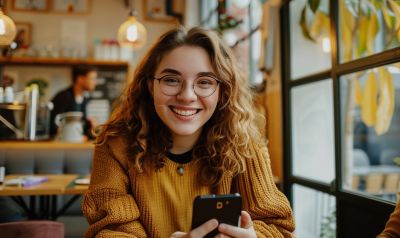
(33, 229)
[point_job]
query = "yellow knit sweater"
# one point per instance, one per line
(123, 203)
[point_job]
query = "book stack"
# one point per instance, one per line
(26, 181)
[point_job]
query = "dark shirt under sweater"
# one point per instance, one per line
(64, 101)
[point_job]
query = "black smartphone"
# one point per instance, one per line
(225, 208)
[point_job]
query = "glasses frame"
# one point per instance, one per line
(180, 90)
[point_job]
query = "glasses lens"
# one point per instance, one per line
(205, 86)
(170, 85)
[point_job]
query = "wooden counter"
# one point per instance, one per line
(40, 145)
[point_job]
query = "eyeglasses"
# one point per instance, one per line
(203, 86)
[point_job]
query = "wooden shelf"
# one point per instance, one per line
(33, 61)
(45, 145)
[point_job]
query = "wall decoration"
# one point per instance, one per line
(24, 34)
(156, 10)
(30, 5)
(71, 6)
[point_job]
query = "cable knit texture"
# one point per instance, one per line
(392, 228)
(123, 203)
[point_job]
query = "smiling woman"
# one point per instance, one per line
(184, 127)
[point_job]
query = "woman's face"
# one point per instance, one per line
(184, 113)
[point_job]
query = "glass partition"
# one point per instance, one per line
(370, 109)
(309, 38)
(367, 27)
(314, 213)
(313, 134)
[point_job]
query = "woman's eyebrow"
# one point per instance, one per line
(209, 74)
(172, 71)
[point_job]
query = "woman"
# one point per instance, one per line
(184, 128)
(392, 228)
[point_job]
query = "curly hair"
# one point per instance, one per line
(226, 139)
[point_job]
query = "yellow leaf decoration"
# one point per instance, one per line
(385, 109)
(373, 28)
(386, 16)
(347, 25)
(358, 93)
(368, 106)
(320, 25)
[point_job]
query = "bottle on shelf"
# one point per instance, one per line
(2, 173)
(1, 94)
(8, 94)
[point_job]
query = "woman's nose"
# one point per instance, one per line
(187, 92)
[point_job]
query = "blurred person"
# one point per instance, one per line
(74, 99)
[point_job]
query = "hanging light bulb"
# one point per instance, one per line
(7, 28)
(132, 33)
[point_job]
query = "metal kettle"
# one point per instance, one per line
(70, 126)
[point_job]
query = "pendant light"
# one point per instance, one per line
(7, 28)
(132, 33)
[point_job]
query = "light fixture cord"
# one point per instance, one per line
(132, 10)
(1, 4)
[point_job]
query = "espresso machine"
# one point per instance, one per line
(23, 116)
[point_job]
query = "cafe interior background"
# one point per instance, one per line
(324, 73)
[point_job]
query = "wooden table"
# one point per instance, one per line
(57, 184)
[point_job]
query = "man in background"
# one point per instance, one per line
(74, 99)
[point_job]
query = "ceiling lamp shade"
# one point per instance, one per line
(132, 34)
(7, 30)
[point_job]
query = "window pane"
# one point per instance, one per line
(307, 53)
(371, 131)
(367, 27)
(313, 133)
(314, 213)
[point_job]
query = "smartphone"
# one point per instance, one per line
(225, 208)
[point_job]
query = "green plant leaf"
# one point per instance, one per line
(362, 35)
(396, 10)
(386, 17)
(314, 4)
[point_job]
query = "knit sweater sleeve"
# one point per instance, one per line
(107, 205)
(392, 228)
(268, 207)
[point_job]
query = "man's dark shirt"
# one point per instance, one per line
(64, 101)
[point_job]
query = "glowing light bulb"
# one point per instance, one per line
(326, 45)
(132, 33)
(7, 29)
(2, 27)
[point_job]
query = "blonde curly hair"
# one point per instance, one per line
(226, 139)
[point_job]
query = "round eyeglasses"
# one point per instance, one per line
(203, 86)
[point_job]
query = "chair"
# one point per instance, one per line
(360, 158)
(390, 185)
(32, 229)
(373, 183)
(355, 183)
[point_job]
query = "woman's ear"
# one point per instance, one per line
(150, 84)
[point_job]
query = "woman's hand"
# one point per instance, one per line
(199, 232)
(246, 229)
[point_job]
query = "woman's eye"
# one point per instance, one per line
(171, 80)
(205, 82)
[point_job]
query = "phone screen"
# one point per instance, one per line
(225, 208)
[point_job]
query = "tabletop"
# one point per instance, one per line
(57, 184)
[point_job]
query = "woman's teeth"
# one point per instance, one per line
(184, 112)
